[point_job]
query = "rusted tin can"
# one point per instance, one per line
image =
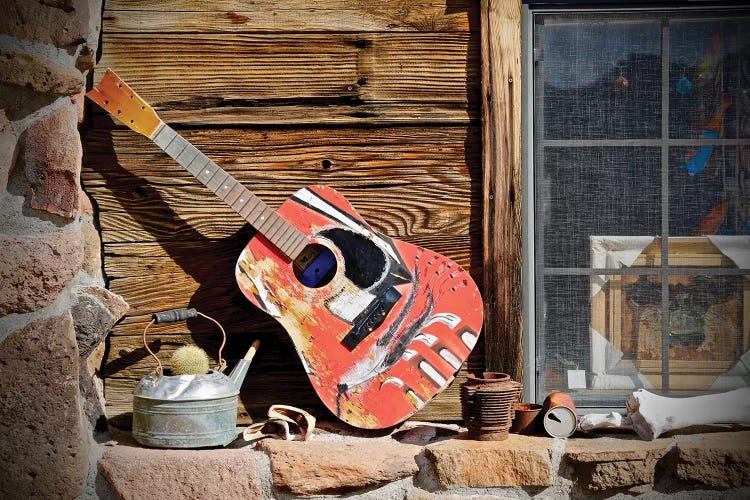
(559, 415)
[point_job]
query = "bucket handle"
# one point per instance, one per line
(179, 315)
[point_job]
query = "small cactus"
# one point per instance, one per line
(189, 360)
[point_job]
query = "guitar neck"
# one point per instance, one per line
(284, 236)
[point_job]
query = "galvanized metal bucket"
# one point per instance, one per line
(187, 411)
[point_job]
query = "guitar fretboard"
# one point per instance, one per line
(287, 238)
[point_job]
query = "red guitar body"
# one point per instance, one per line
(388, 327)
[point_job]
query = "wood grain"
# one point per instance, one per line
(501, 162)
(186, 16)
(295, 72)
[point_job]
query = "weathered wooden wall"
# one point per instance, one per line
(377, 99)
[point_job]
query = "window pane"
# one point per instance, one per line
(708, 79)
(596, 191)
(708, 332)
(709, 190)
(600, 77)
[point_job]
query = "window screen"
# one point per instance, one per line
(640, 151)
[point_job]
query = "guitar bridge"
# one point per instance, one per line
(371, 318)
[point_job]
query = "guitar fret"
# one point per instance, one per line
(207, 172)
(164, 136)
(276, 224)
(249, 207)
(194, 167)
(291, 238)
(234, 194)
(297, 249)
(254, 215)
(176, 146)
(216, 180)
(282, 238)
(263, 220)
(188, 152)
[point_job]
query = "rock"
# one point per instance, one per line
(62, 23)
(92, 249)
(91, 386)
(318, 468)
(79, 101)
(607, 463)
(85, 206)
(95, 311)
(34, 270)
(30, 70)
(719, 460)
(517, 461)
(8, 151)
(43, 448)
(136, 473)
(53, 163)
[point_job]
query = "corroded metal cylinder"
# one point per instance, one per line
(487, 405)
(186, 411)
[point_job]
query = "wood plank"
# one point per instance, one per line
(130, 260)
(145, 212)
(185, 73)
(317, 156)
(185, 16)
(501, 161)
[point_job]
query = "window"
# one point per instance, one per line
(637, 195)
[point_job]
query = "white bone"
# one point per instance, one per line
(650, 415)
(604, 421)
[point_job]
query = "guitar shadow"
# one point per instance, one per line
(276, 375)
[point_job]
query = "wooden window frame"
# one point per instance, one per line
(501, 180)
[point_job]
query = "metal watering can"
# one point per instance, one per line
(188, 411)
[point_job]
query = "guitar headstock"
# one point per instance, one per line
(123, 103)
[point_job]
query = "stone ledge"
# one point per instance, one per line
(719, 460)
(136, 473)
(447, 465)
(517, 461)
(314, 468)
(622, 462)
(710, 460)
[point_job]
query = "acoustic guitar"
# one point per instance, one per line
(381, 326)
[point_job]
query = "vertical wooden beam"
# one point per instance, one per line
(501, 164)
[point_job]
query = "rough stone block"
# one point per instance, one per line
(53, 163)
(719, 460)
(63, 23)
(8, 151)
(31, 70)
(95, 311)
(623, 462)
(517, 461)
(33, 271)
(136, 473)
(318, 468)
(92, 249)
(43, 446)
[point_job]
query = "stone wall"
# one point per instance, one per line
(435, 462)
(54, 309)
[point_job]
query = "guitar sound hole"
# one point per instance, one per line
(315, 266)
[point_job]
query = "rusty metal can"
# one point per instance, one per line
(560, 417)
